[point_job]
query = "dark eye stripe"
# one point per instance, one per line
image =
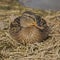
(17, 20)
(38, 20)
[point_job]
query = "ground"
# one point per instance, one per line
(46, 50)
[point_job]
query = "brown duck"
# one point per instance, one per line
(29, 28)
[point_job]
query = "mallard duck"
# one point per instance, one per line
(29, 28)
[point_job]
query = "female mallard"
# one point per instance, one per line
(29, 28)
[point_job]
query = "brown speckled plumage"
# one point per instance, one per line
(29, 28)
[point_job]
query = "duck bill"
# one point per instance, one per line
(35, 24)
(39, 27)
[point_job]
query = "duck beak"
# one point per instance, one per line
(35, 24)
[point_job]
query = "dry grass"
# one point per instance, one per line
(46, 50)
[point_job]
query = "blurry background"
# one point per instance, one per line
(42, 4)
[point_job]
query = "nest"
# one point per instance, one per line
(10, 49)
